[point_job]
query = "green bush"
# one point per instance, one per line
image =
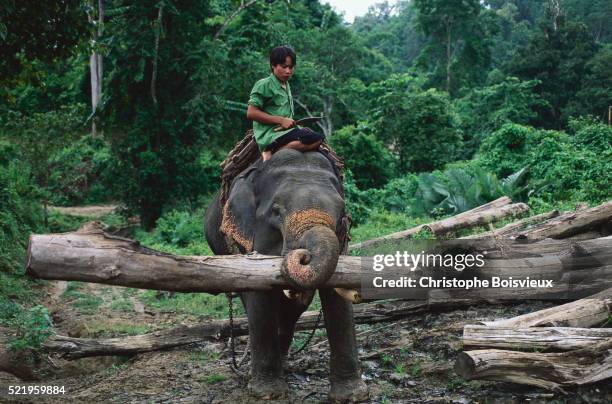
(32, 329)
(20, 214)
(562, 167)
(371, 163)
(420, 127)
(179, 228)
(457, 190)
(82, 173)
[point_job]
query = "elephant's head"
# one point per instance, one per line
(298, 206)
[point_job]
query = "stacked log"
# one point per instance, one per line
(568, 350)
(586, 355)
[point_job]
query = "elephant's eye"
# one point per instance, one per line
(276, 209)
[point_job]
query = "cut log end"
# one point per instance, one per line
(465, 366)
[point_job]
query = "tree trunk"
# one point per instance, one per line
(449, 54)
(547, 370)
(90, 255)
(158, 30)
(570, 223)
(95, 66)
(455, 223)
(444, 224)
(587, 312)
(544, 338)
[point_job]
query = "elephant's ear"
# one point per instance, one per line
(238, 223)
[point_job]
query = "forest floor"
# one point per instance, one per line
(88, 211)
(405, 361)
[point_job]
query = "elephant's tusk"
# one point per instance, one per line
(291, 294)
(351, 295)
(301, 297)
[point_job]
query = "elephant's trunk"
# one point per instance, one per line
(314, 259)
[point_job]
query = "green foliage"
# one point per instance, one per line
(214, 379)
(200, 304)
(370, 161)
(31, 328)
(82, 173)
(20, 213)
(417, 124)
(179, 228)
(156, 137)
(484, 110)
(561, 167)
(457, 190)
(47, 31)
(458, 35)
(557, 56)
(40, 135)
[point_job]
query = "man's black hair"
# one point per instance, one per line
(279, 55)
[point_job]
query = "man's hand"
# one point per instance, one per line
(285, 123)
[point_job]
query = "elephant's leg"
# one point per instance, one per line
(266, 369)
(290, 311)
(345, 374)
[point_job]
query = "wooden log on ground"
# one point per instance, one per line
(583, 313)
(490, 211)
(511, 228)
(551, 371)
(492, 215)
(90, 255)
(543, 338)
(570, 223)
(215, 330)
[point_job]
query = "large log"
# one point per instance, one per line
(570, 223)
(543, 338)
(90, 255)
(547, 370)
(480, 215)
(583, 313)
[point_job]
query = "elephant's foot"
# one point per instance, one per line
(268, 388)
(348, 391)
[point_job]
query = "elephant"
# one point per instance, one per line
(290, 205)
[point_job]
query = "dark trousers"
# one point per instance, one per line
(304, 135)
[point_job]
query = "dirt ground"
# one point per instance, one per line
(89, 211)
(403, 362)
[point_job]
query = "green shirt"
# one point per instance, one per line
(269, 96)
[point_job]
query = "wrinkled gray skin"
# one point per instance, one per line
(260, 200)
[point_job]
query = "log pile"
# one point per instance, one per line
(551, 348)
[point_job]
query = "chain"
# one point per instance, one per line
(312, 333)
(234, 364)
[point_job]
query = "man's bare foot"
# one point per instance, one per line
(267, 155)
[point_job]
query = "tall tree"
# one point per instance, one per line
(451, 27)
(45, 30)
(557, 56)
(156, 130)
